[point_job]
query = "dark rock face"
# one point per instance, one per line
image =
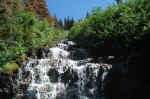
(130, 80)
(53, 75)
(42, 53)
(30, 95)
(138, 71)
(116, 83)
(69, 75)
(7, 86)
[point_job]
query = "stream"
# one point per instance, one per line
(63, 72)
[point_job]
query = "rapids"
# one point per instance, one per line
(64, 72)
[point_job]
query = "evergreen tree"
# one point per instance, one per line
(80, 20)
(39, 7)
(87, 14)
(119, 1)
(68, 23)
(60, 22)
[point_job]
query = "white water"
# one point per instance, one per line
(59, 77)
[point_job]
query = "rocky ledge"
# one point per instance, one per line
(7, 86)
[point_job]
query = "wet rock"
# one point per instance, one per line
(53, 75)
(69, 76)
(64, 74)
(7, 86)
(78, 54)
(30, 95)
(62, 46)
(42, 53)
(19, 97)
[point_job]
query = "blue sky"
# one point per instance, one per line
(74, 8)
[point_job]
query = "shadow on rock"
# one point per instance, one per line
(129, 80)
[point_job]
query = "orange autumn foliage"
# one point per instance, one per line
(39, 7)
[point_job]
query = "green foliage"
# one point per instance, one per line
(10, 67)
(115, 29)
(21, 32)
(10, 51)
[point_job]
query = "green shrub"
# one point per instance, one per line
(22, 32)
(10, 51)
(115, 29)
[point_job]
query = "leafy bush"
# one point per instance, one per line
(22, 32)
(10, 51)
(115, 30)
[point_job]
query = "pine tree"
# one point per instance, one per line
(87, 14)
(39, 7)
(55, 17)
(60, 22)
(119, 1)
(80, 20)
(65, 23)
(68, 23)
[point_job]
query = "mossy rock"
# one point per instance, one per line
(9, 68)
(21, 58)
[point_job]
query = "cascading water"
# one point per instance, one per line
(65, 73)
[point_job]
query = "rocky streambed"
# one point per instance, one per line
(66, 72)
(61, 72)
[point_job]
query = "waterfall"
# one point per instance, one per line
(65, 72)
